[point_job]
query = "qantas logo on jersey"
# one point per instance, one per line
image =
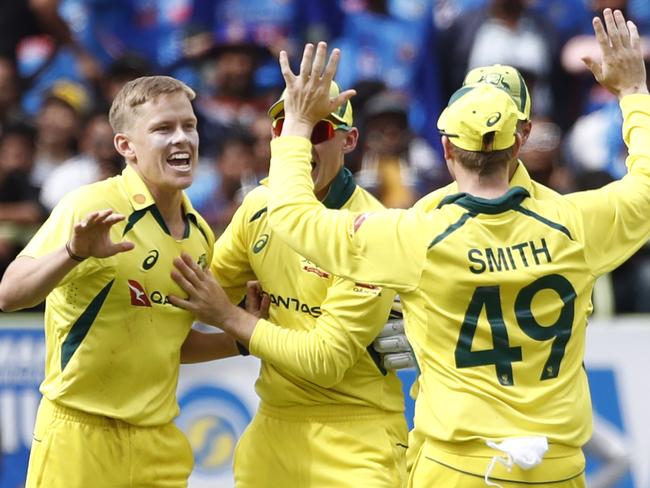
(138, 295)
(294, 304)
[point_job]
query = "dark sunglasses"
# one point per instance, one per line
(323, 130)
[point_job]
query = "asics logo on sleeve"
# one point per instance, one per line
(260, 243)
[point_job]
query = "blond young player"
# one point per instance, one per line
(329, 414)
(103, 261)
(495, 283)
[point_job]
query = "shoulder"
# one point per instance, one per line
(96, 196)
(361, 199)
(431, 201)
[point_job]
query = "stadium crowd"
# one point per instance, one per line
(62, 62)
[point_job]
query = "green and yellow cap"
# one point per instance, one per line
(475, 110)
(507, 78)
(342, 116)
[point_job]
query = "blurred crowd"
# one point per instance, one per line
(61, 62)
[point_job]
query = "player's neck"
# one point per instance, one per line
(170, 207)
(491, 186)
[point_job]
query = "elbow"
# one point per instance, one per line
(6, 304)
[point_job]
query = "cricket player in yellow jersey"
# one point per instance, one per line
(103, 260)
(495, 284)
(330, 415)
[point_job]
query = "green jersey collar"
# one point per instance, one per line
(508, 201)
(341, 189)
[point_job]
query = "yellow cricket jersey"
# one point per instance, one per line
(113, 340)
(314, 346)
(519, 178)
(496, 293)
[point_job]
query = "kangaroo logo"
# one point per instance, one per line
(139, 297)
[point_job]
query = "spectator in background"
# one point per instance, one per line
(9, 93)
(262, 132)
(234, 165)
(396, 166)
(504, 32)
(118, 73)
(97, 160)
(231, 98)
(20, 211)
(59, 123)
(394, 42)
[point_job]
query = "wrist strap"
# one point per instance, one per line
(72, 255)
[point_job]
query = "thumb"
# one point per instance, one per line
(123, 246)
(592, 66)
(342, 98)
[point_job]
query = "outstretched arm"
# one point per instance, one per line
(351, 245)
(615, 218)
(321, 355)
(28, 280)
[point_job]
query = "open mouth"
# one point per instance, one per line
(180, 161)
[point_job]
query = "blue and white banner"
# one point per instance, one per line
(217, 401)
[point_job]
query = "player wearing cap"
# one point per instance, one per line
(330, 415)
(495, 283)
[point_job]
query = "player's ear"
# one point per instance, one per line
(123, 146)
(351, 139)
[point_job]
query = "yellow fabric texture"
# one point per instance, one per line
(346, 450)
(496, 293)
(73, 449)
(112, 339)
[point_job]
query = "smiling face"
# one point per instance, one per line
(161, 143)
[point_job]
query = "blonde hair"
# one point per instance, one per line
(138, 92)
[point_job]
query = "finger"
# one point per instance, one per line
(187, 259)
(183, 282)
(635, 39)
(180, 303)
(306, 62)
(119, 247)
(601, 35)
(252, 299)
(285, 68)
(319, 60)
(332, 64)
(265, 305)
(612, 30)
(187, 273)
(341, 98)
(112, 219)
(592, 66)
(621, 27)
(101, 215)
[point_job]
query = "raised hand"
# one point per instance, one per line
(307, 98)
(91, 236)
(621, 69)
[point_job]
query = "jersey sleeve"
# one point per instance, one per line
(384, 247)
(615, 219)
(230, 263)
(352, 316)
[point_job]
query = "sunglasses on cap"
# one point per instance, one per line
(323, 130)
